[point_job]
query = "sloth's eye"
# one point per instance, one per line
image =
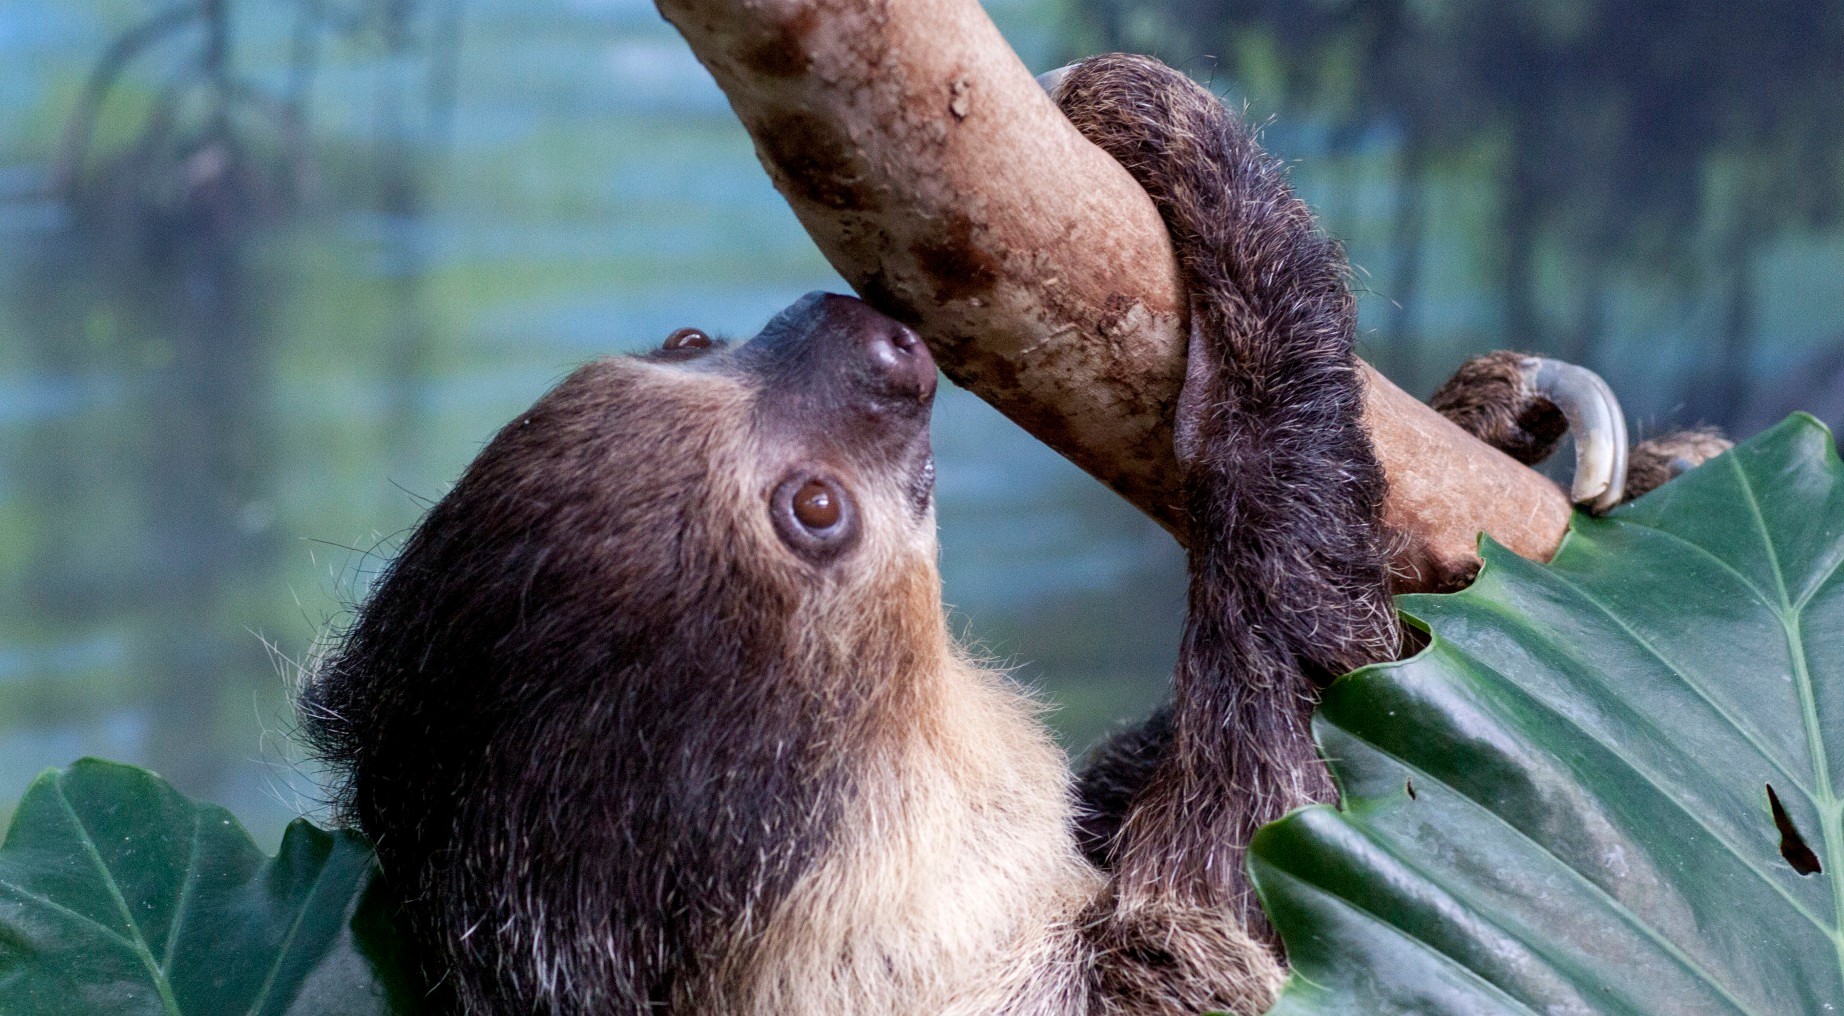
(687, 338)
(816, 506)
(814, 516)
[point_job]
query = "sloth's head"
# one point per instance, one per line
(630, 659)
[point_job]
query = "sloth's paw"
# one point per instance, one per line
(1667, 456)
(1523, 405)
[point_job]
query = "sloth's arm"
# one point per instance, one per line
(1283, 491)
(1494, 397)
(1288, 567)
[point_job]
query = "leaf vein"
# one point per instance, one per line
(1645, 774)
(46, 901)
(1671, 948)
(1767, 538)
(185, 897)
(1420, 943)
(1653, 651)
(287, 943)
(1702, 551)
(139, 941)
(1825, 798)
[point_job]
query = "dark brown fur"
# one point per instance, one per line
(1487, 398)
(1288, 579)
(1658, 460)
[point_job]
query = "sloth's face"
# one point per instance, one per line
(703, 497)
(711, 482)
(824, 435)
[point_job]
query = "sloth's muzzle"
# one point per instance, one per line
(835, 353)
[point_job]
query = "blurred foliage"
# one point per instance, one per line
(271, 270)
(186, 160)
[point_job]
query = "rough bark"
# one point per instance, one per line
(947, 188)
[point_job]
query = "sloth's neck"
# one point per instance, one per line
(953, 856)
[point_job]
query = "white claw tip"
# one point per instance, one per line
(1048, 80)
(1596, 421)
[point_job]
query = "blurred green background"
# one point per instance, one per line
(272, 270)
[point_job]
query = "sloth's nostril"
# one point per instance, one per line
(902, 367)
(902, 362)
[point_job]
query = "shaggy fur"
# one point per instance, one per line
(627, 746)
(1487, 397)
(1288, 575)
(1657, 460)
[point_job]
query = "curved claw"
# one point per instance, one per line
(1048, 80)
(1596, 421)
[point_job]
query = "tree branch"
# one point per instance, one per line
(949, 190)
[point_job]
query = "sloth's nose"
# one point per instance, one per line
(839, 349)
(889, 356)
(900, 360)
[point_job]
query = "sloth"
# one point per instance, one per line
(657, 710)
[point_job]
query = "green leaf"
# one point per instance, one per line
(1590, 745)
(120, 897)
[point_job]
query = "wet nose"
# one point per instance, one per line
(898, 355)
(838, 348)
(893, 358)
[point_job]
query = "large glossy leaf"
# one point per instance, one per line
(119, 897)
(1590, 746)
